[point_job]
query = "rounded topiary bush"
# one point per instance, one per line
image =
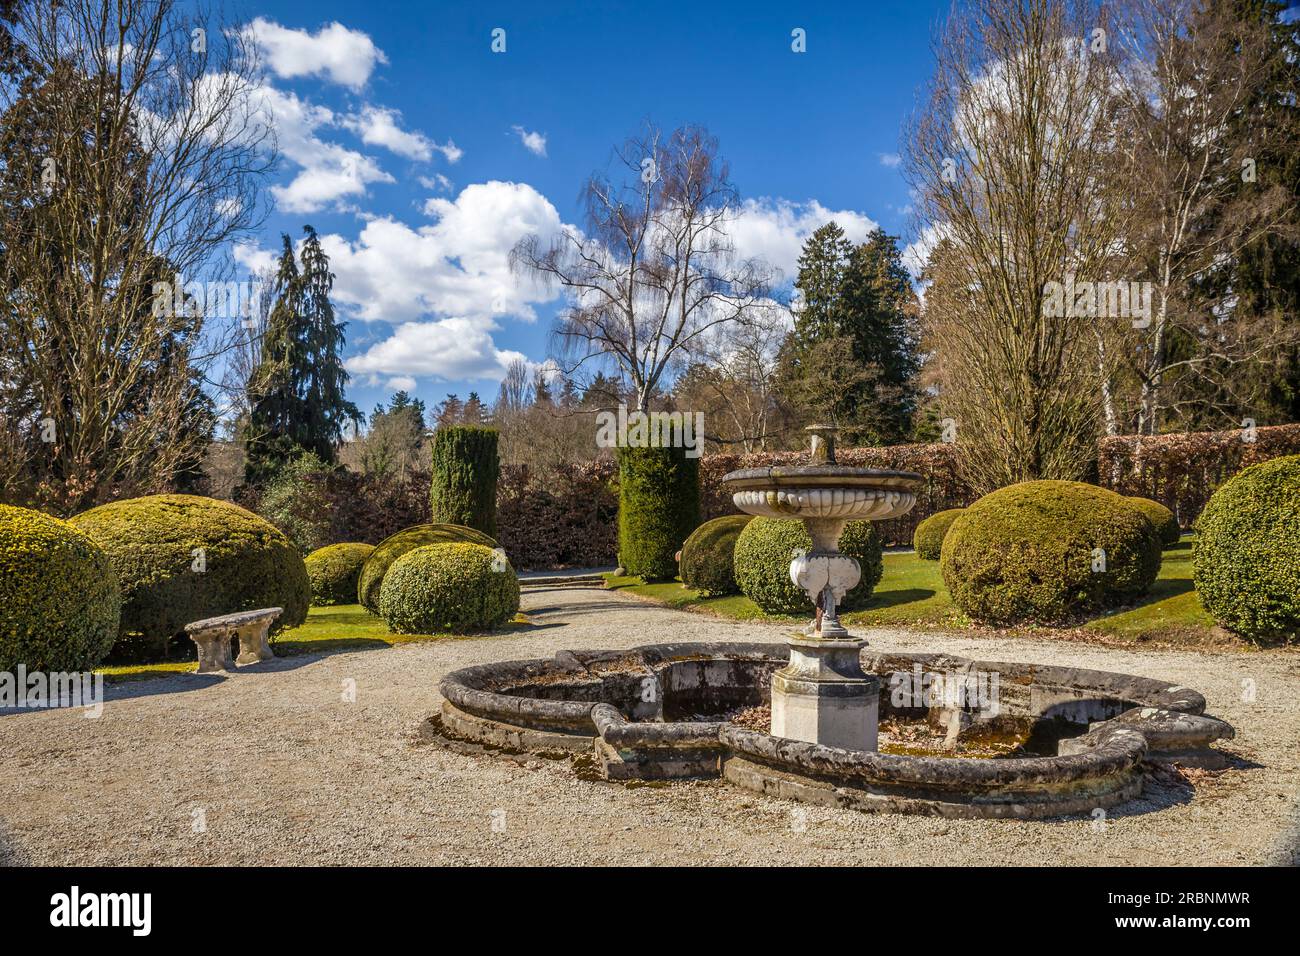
(658, 508)
(1160, 516)
(448, 587)
(929, 534)
(1246, 556)
(394, 546)
(1046, 551)
(766, 547)
(707, 556)
(334, 571)
(59, 600)
(181, 558)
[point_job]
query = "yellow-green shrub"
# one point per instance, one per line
(1046, 551)
(1246, 556)
(929, 534)
(708, 554)
(448, 587)
(1160, 516)
(766, 547)
(334, 571)
(59, 599)
(181, 558)
(396, 545)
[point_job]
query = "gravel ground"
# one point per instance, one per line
(274, 766)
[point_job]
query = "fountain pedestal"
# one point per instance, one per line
(824, 697)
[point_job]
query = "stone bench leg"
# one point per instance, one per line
(214, 651)
(253, 645)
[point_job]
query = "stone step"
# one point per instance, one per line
(572, 581)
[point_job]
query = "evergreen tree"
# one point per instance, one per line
(396, 436)
(449, 411)
(822, 267)
(852, 355)
(474, 413)
(299, 405)
(1265, 277)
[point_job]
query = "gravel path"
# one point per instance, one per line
(273, 765)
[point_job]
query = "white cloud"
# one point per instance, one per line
(916, 254)
(456, 349)
(254, 258)
(402, 383)
(378, 126)
(775, 229)
(444, 286)
(450, 151)
(890, 160)
(328, 172)
(535, 143)
(437, 182)
(344, 56)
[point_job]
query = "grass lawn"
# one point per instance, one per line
(912, 594)
(342, 627)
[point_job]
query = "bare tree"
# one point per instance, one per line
(734, 382)
(133, 149)
(1005, 159)
(244, 366)
(516, 389)
(656, 268)
(1190, 128)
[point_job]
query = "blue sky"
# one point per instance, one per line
(420, 155)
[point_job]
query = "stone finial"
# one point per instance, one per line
(823, 443)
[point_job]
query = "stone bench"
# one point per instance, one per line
(212, 638)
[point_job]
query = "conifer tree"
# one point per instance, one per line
(299, 404)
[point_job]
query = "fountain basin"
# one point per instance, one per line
(664, 711)
(823, 491)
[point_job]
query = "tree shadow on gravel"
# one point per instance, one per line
(11, 854)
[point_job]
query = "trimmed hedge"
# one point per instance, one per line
(766, 547)
(1026, 553)
(448, 587)
(658, 508)
(394, 546)
(1246, 556)
(707, 556)
(334, 571)
(60, 605)
(463, 489)
(181, 558)
(929, 535)
(1160, 516)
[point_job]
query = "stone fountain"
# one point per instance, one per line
(823, 696)
(1047, 740)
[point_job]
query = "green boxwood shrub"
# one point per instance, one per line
(394, 546)
(181, 558)
(707, 556)
(658, 508)
(334, 571)
(59, 600)
(448, 587)
(766, 547)
(929, 534)
(465, 472)
(1160, 516)
(1026, 553)
(1246, 556)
